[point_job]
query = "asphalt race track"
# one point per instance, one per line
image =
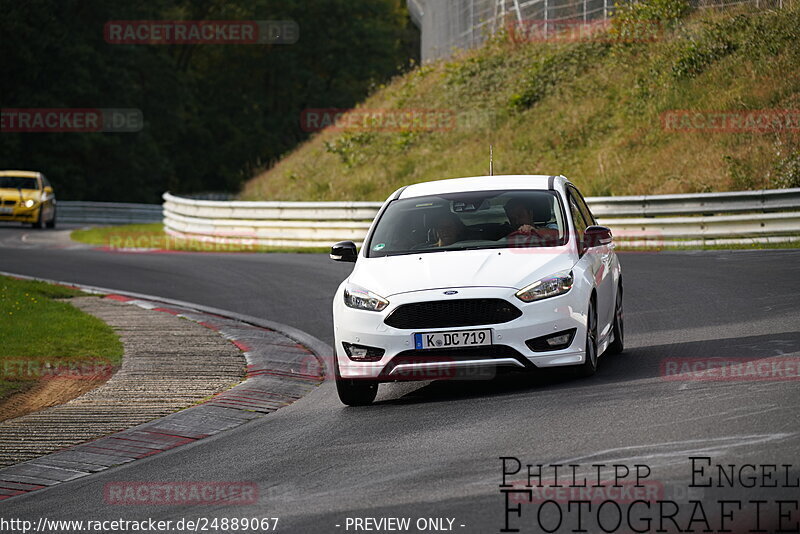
(432, 450)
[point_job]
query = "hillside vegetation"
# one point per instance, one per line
(590, 109)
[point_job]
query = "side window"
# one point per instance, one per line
(587, 214)
(577, 218)
(45, 181)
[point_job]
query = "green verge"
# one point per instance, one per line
(152, 236)
(42, 333)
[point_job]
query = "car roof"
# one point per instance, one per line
(540, 182)
(21, 174)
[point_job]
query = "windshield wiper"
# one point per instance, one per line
(477, 247)
(473, 247)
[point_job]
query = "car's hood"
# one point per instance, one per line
(13, 194)
(467, 268)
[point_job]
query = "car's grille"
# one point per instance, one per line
(452, 313)
(488, 352)
(8, 202)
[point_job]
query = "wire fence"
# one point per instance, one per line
(451, 25)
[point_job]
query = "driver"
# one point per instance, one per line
(524, 216)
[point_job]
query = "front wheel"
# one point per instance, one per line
(589, 366)
(39, 222)
(52, 222)
(354, 392)
(359, 392)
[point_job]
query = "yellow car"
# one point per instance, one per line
(27, 197)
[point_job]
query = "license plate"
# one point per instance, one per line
(6, 211)
(444, 340)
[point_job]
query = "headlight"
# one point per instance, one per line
(556, 284)
(30, 203)
(363, 299)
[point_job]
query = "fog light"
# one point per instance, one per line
(556, 341)
(362, 353)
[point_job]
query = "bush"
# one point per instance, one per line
(558, 66)
(787, 172)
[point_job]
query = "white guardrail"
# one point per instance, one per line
(645, 221)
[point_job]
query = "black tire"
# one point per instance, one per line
(52, 222)
(618, 345)
(38, 223)
(359, 392)
(589, 366)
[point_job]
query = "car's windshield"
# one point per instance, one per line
(18, 182)
(471, 220)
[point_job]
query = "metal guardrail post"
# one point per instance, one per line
(71, 211)
(545, 19)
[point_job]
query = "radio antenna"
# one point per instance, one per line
(491, 162)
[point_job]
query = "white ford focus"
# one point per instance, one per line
(476, 273)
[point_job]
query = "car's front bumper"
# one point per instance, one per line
(367, 328)
(21, 214)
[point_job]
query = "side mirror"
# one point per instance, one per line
(595, 236)
(344, 251)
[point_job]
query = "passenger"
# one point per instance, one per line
(449, 229)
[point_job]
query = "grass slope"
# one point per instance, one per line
(589, 109)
